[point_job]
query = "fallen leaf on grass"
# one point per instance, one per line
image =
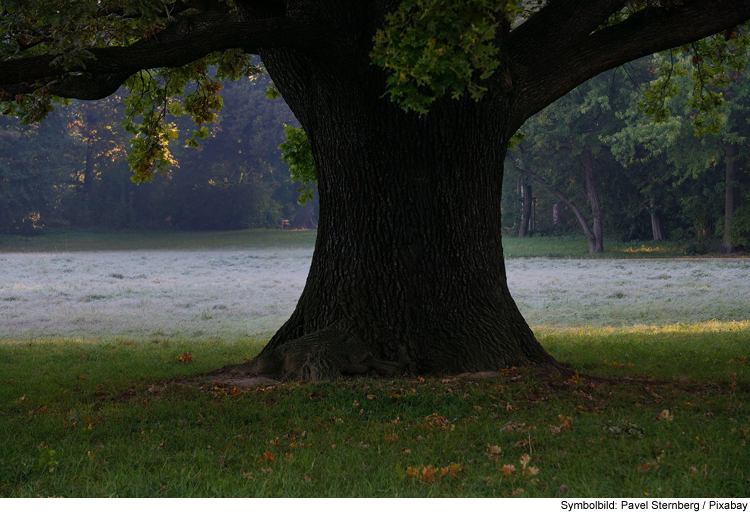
(266, 456)
(185, 357)
(566, 422)
(665, 415)
(429, 475)
(493, 450)
(435, 421)
(508, 469)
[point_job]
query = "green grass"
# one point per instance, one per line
(578, 247)
(106, 418)
(78, 240)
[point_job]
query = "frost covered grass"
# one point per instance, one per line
(150, 294)
(240, 293)
(571, 293)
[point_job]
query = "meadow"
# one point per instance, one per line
(102, 345)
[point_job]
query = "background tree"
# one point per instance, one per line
(35, 161)
(402, 278)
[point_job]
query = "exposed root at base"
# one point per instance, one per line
(323, 355)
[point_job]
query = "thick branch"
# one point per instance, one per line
(166, 49)
(553, 75)
(558, 25)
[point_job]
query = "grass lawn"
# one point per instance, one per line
(109, 418)
(667, 413)
(77, 240)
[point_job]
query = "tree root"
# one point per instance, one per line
(322, 355)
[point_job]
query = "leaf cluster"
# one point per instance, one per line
(432, 48)
(297, 153)
(711, 65)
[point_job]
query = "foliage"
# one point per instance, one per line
(189, 90)
(40, 26)
(712, 64)
(34, 162)
(740, 232)
(432, 48)
(297, 153)
(236, 179)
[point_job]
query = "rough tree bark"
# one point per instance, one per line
(732, 195)
(408, 272)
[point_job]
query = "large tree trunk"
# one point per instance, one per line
(732, 196)
(587, 161)
(408, 272)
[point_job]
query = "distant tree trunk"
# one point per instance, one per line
(304, 217)
(567, 202)
(590, 235)
(732, 196)
(523, 230)
(556, 214)
(587, 161)
(88, 168)
(657, 223)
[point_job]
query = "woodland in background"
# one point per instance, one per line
(71, 170)
(590, 163)
(593, 163)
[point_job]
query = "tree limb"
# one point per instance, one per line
(555, 73)
(173, 47)
(558, 25)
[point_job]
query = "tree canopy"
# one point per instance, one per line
(160, 49)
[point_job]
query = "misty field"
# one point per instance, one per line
(233, 294)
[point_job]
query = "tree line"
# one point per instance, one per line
(595, 162)
(71, 170)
